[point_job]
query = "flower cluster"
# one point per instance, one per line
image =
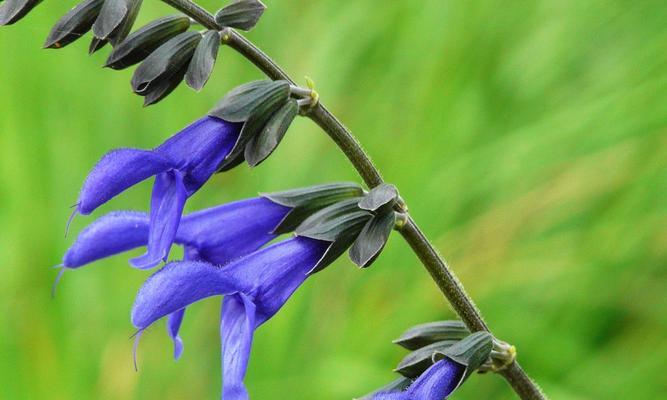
(444, 355)
(224, 247)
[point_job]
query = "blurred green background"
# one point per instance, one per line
(528, 138)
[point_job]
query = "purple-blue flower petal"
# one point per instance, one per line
(173, 326)
(278, 271)
(257, 286)
(436, 383)
(167, 203)
(198, 149)
(175, 287)
(232, 230)
(111, 234)
(117, 171)
(237, 327)
(269, 276)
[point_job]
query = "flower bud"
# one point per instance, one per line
(137, 46)
(74, 24)
(164, 69)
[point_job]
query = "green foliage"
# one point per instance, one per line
(528, 139)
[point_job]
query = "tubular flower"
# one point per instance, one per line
(256, 286)
(181, 165)
(216, 235)
(436, 383)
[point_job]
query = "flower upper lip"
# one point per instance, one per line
(182, 164)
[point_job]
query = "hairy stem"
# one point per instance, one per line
(435, 264)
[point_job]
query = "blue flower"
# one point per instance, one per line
(216, 235)
(255, 287)
(181, 165)
(436, 383)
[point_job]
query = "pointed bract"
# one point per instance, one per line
(164, 62)
(164, 86)
(241, 14)
(96, 44)
(424, 334)
(379, 196)
(137, 46)
(13, 10)
(248, 99)
(261, 146)
(372, 239)
(203, 60)
(74, 24)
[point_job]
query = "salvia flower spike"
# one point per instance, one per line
(181, 165)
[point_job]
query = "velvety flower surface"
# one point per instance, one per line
(436, 383)
(181, 165)
(256, 287)
(216, 235)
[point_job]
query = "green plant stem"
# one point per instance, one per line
(435, 264)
